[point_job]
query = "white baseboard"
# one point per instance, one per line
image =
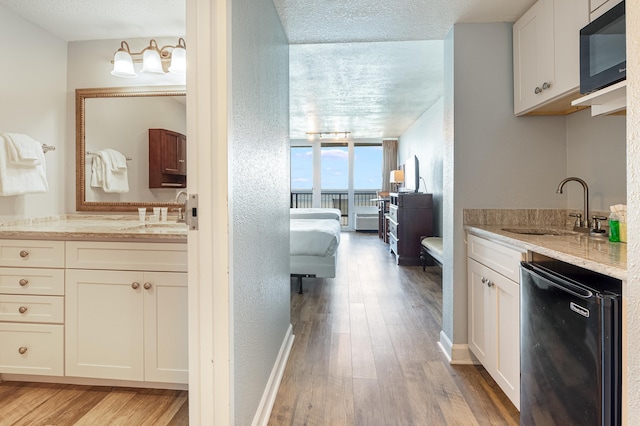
(263, 413)
(456, 354)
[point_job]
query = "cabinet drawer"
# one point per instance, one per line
(33, 254)
(42, 309)
(393, 212)
(393, 243)
(32, 281)
(41, 344)
(161, 257)
(502, 259)
(393, 229)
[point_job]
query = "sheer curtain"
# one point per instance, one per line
(389, 162)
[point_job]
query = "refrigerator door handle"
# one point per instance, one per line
(557, 281)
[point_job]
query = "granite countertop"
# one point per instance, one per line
(94, 227)
(594, 253)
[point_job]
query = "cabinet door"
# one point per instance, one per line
(533, 55)
(104, 324)
(165, 327)
(174, 149)
(569, 17)
(507, 363)
(481, 307)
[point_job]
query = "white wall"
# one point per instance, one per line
(89, 66)
(32, 89)
(424, 139)
(258, 198)
(596, 153)
(492, 159)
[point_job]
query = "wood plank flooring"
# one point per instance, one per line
(40, 404)
(365, 350)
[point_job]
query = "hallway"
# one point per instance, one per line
(365, 350)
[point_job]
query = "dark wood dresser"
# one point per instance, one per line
(410, 217)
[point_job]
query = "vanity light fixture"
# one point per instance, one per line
(152, 57)
(329, 135)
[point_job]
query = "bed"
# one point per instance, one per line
(313, 248)
(316, 213)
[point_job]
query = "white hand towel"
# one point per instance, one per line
(97, 172)
(17, 179)
(118, 161)
(113, 182)
(22, 150)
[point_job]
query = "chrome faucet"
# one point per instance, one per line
(582, 221)
(182, 211)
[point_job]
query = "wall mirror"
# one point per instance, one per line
(119, 118)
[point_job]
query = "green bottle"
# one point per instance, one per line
(614, 228)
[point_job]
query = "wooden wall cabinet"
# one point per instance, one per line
(410, 217)
(167, 159)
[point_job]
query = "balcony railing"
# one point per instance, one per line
(334, 199)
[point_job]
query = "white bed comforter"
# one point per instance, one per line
(314, 237)
(315, 213)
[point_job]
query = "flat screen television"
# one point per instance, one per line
(412, 174)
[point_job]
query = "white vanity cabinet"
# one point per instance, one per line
(32, 307)
(126, 310)
(494, 311)
(546, 56)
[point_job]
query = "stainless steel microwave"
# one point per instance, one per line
(603, 59)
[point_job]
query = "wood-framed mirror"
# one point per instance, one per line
(119, 118)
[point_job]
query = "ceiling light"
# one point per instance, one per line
(154, 59)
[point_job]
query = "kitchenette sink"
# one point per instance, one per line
(539, 231)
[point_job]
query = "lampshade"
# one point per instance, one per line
(122, 62)
(397, 176)
(179, 59)
(151, 61)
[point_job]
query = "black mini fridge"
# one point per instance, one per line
(570, 345)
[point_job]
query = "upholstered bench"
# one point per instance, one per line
(430, 248)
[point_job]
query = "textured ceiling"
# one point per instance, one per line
(340, 80)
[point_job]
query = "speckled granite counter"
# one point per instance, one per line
(594, 253)
(94, 227)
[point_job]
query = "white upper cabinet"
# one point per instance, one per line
(546, 56)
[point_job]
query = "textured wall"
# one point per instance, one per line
(424, 138)
(632, 290)
(32, 89)
(258, 198)
(498, 160)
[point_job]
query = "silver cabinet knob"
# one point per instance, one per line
(546, 85)
(147, 286)
(22, 350)
(537, 91)
(24, 253)
(135, 285)
(483, 280)
(22, 309)
(23, 282)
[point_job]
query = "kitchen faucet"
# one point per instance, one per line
(582, 221)
(182, 213)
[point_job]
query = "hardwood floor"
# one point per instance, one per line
(39, 404)
(365, 350)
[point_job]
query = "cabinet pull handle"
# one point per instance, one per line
(23, 282)
(24, 253)
(22, 309)
(489, 284)
(483, 280)
(135, 285)
(546, 85)
(147, 286)
(22, 350)
(537, 91)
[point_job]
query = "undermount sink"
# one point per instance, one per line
(538, 231)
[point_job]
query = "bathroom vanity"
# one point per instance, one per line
(94, 300)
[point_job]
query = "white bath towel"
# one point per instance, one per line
(17, 179)
(118, 161)
(106, 175)
(22, 149)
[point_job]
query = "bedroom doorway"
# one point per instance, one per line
(343, 174)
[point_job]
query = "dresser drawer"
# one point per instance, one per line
(393, 243)
(162, 257)
(42, 309)
(32, 254)
(31, 349)
(393, 229)
(393, 212)
(32, 281)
